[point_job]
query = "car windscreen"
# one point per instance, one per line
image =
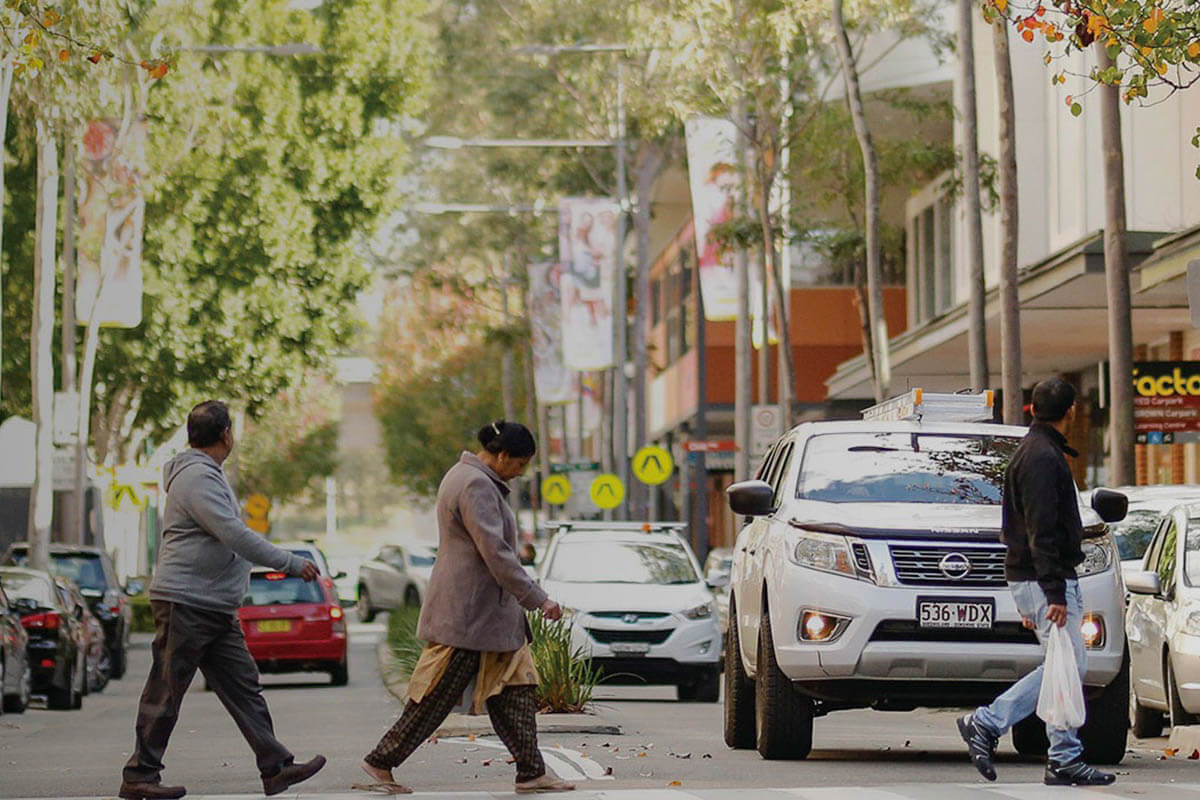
(30, 587)
(277, 589)
(421, 561)
(1133, 534)
(621, 562)
(904, 467)
(85, 569)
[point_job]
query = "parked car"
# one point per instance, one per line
(293, 625)
(1147, 505)
(92, 570)
(55, 655)
(1163, 626)
(99, 664)
(308, 549)
(872, 575)
(16, 675)
(397, 575)
(637, 604)
(716, 574)
(345, 578)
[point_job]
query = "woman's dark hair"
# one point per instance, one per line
(1052, 399)
(507, 437)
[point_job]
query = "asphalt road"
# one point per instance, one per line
(80, 753)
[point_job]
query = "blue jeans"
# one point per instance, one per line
(1020, 700)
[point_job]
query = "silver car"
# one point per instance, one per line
(397, 575)
(1163, 626)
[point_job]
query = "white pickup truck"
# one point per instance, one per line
(872, 575)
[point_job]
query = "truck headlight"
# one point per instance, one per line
(1097, 557)
(699, 612)
(825, 552)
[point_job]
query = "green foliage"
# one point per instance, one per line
(143, 617)
(567, 677)
(402, 639)
(429, 416)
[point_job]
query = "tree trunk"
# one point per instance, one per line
(1010, 301)
(1116, 270)
(41, 498)
(976, 319)
(875, 310)
(786, 378)
(6, 77)
(763, 304)
(650, 160)
(620, 384)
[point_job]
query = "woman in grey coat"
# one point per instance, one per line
(473, 618)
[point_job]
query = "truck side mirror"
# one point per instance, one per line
(1110, 505)
(751, 498)
(1143, 583)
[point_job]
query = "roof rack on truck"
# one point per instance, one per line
(917, 405)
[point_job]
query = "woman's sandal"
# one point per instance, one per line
(383, 787)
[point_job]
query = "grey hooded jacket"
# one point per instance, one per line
(207, 551)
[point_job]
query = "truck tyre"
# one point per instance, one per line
(784, 717)
(1179, 716)
(1146, 723)
(1029, 737)
(739, 692)
(1106, 730)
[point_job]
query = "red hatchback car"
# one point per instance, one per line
(295, 626)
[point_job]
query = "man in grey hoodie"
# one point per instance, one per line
(200, 580)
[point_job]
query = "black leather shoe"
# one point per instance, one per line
(980, 744)
(150, 791)
(1076, 773)
(292, 774)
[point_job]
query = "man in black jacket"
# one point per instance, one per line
(1043, 534)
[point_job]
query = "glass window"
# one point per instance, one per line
(779, 472)
(1166, 558)
(85, 569)
(655, 302)
(1133, 534)
(30, 587)
(277, 589)
(621, 562)
(905, 468)
(420, 561)
(1191, 554)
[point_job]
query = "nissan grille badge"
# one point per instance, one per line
(955, 566)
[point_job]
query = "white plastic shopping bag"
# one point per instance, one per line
(1060, 701)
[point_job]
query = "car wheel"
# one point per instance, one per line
(739, 692)
(1106, 731)
(62, 698)
(1146, 723)
(707, 687)
(3, 675)
(340, 673)
(17, 703)
(1179, 715)
(412, 597)
(784, 717)
(80, 684)
(119, 661)
(1029, 737)
(363, 607)
(103, 670)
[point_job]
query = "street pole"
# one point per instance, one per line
(6, 78)
(743, 381)
(698, 459)
(620, 398)
(72, 533)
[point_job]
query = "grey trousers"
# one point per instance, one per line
(187, 638)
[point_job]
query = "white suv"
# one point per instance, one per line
(872, 575)
(637, 604)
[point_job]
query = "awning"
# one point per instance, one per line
(1064, 325)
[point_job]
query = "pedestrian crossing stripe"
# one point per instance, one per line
(556, 490)
(607, 491)
(653, 465)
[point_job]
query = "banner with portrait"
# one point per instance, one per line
(553, 382)
(587, 245)
(715, 182)
(109, 224)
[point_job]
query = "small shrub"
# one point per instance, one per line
(568, 677)
(402, 638)
(143, 617)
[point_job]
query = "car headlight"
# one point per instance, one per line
(825, 552)
(1097, 557)
(699, 612)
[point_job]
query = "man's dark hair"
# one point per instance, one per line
(207, 422)
(1052, 399)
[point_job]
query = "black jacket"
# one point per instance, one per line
(1042, 529)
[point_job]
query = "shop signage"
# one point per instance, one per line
(1166, 401)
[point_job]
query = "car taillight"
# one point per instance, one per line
(47, 663)
(48, 621)
(276, 576)
(336, 613)
(112, 601)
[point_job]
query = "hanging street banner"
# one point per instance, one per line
(111, 213)
(715, 181)
(553, 382)
(652, 465)
(1166, 401)
(587, 246)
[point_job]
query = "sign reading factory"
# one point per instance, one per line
(1166, 401)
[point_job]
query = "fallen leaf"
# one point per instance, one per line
(675, 783)
(471, 738)
(707, 755)
(487, 762)
(1170, 752)
(908, 742)
(1195, 756)
(608, 771)
(462, 761)
(641, 755)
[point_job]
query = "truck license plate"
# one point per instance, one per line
(950, 612)
(630, 648)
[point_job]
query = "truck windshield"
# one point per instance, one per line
(901, 467)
